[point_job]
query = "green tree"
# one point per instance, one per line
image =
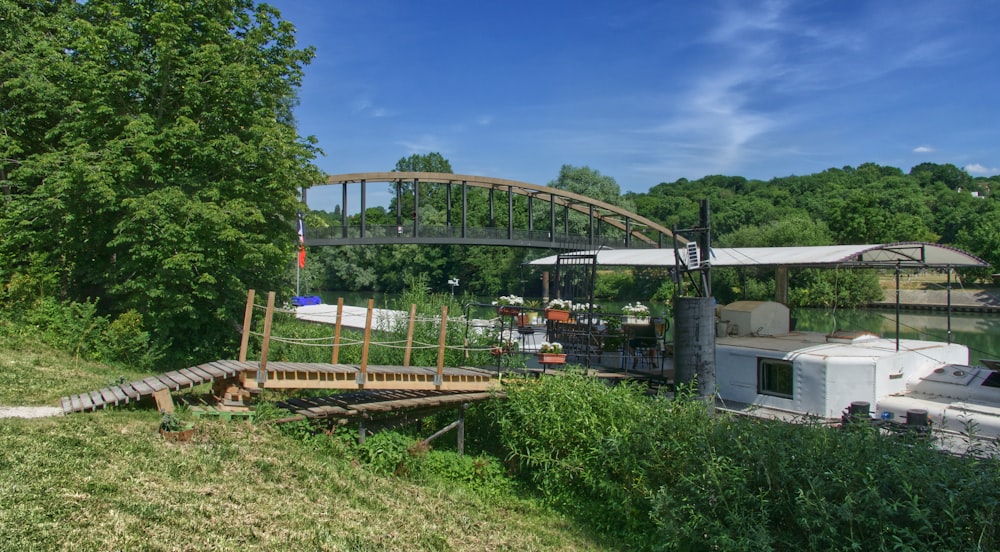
(149, 150)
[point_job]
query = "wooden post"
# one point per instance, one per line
(441, 343)
(409, 335)
(247, 317)
(460, 430)
(265, 347)
(363, 375)
(336, 331)
(459, 427)
(781, 284)
(164, 403)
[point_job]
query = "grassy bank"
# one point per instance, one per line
(108, 481)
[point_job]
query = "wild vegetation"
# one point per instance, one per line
(150, 167)
(562, 463)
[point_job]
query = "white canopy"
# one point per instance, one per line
(906, 255)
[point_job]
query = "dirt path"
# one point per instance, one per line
(29, 411)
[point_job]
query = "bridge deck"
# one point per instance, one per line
(285, 375)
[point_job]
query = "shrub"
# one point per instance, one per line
(388, 453)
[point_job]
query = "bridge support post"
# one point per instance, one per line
(459, 427)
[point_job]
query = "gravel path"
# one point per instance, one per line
(29, 411)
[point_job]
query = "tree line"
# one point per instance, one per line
(150, 166)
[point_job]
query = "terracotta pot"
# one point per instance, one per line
(551, 358)
(508, 311)
(178, 436)
(557, 315)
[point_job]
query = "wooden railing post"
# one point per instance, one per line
(409, 335)
(247, 318)
(363, 374)
(439, 377)
(265, 347)
(336, 331)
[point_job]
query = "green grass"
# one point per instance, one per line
(33, 374)
(108, 481)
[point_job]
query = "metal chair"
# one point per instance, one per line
(526, 334)
(642, 346)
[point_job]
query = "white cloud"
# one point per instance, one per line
(923, 149)
(484, 120)
(365, 106)
(980, 170)
(423, 145)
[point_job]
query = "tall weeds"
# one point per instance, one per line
(660, 473)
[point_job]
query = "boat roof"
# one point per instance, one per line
(902, 254)
(839, 345)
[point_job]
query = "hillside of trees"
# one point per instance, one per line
(150, 166)
(867, 204)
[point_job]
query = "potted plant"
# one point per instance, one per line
(505, 347)
(173, 428)
(508, 305)
(551, 353)
(558, 310)
(636, 313)
(587, 313)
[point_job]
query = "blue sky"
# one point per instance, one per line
(649, 92)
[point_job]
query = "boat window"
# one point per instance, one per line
(774, 377)
(992, 380)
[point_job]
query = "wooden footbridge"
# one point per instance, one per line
(235, 380)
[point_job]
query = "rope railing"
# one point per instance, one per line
(374, 319)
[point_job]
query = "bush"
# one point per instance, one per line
(389, 453)
(654, 473)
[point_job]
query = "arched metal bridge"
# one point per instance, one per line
(546, 217)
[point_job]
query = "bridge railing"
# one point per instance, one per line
(407, 234)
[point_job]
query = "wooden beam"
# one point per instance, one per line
(363, 375)
(336, 331)
(266, 345)
(164, 403)
(247, 317)
(409, 335)
(442, 339)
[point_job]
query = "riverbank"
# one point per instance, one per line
(985, 300)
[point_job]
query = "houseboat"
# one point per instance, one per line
(764, 366)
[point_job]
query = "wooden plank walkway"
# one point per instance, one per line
(360, 403)
(285, 375)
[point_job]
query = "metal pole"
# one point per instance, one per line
(949, 304)
(897, 306)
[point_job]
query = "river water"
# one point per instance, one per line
(979, 332)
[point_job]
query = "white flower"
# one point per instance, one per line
(550, 348)
(560, 304)
(638, 309)
(512, 300)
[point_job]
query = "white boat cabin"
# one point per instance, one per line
(760, 362)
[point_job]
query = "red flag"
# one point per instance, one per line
(302, 243)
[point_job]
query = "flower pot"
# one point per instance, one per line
(551, 358)
(557, 315)
(508, 311)
(636, 319)
(178, 436)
